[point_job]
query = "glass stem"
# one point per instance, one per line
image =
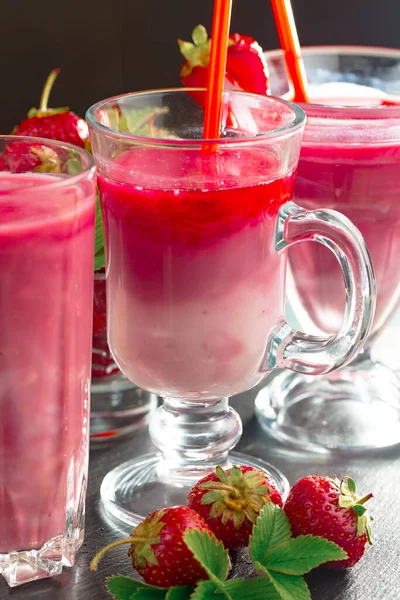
(194, 437)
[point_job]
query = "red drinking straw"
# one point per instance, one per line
(290, 45)
(216, 68)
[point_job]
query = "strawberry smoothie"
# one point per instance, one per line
(46, 260)
(353, 167)
(194, 281)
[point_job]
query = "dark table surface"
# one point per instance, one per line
(376, 577)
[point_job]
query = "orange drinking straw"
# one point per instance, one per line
(216, 68)
(290, 45)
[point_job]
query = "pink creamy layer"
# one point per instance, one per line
(195, 282)
(362, 182)
(46, 254)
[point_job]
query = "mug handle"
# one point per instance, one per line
(310, 354)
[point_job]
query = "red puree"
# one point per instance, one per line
(195, 281)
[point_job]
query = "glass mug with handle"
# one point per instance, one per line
(196, 232)
(350, 162)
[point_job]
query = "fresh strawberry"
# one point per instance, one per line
(231, 500)
(330, 508)
(57, 124)
(246, 67)
(22, 157)
(158, 550)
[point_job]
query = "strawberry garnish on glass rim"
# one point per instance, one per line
(246, 70)
(246, 67)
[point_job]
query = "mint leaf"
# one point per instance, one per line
(99, 260)
(122, 588)
(257, 588)
(205, 590)
(209, 552)
(301, 554)
(150, 593)
(290, 587)
(73, 167)
(98, 235)
(126, 588)
(272, 528)
(182, 592)
(140, 121)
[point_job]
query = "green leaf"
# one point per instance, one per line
(73, 167)
(182, 592)
(209, 552)
(359, 509)
(122, 588)
(99, 260)
(150, 593)
(99, 237)
(290, 587)
(272, 528)
(301, 554)
(139, 121)
(256, 588)
(206, 590)
(222, 476)
(351, 485)
(199, 35)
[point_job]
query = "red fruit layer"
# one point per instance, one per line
(192, 199)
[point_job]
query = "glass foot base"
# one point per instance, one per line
(140, 486)
(352, 410)
(29, 565)
(118, 407)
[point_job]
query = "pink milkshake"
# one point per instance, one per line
(354, 168)
(46, 260)
(350, 162)
(193, 272)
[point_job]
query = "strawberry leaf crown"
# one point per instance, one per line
(235, 495)
(348, 499)
(196, 54)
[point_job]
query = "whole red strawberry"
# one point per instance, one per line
(246, 67)
(231, 500)
(56, 124)
(158, 550)
(22, 157)
(330, 508)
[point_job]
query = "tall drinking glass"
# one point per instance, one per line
(195, 238)
(47, 205)
(350, 161)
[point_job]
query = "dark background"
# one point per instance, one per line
(113, 46)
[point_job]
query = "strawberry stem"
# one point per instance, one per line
(228, 488)
(101, 553)
(365, 499)
(44, 98)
